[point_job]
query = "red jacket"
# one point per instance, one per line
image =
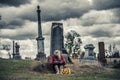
(52, 59)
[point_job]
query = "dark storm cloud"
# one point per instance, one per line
(57, 10)
(2, 25)
(106, 4)
(69, 13)
(93, 17)
(101, 33)
(13, 2)
(20, 36)
(32, 16)
(25, 36)
(53, 15)
(67, 9)
(12, 24)
(16, 22)
(53, 10)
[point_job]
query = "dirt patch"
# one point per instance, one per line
(77, 67)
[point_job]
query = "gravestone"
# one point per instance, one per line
(89, 55)
(57, 39)
(89, 51)
(17, 53)
(13, 49)
(101, 54)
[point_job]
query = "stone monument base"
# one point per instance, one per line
(90, 59)
(40, 56)
(17, 57)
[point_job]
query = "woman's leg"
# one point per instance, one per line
(60, 68)
(56, 69)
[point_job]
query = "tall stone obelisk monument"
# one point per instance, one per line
(40, 38)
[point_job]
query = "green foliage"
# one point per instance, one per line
(74, 56)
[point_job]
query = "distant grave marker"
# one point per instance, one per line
(101, 55)
(89, 56)
(16, 53)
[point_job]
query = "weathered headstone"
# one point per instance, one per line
(17, 48)
(57, 39)
(17, 53)
(13, 49)
(101, 55)
(101, 50)
(89, 51)
(89, 56)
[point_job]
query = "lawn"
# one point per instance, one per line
(23, 70)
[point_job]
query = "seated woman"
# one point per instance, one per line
(57, 61)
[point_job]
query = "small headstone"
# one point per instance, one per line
(17, 53)
(89, 55)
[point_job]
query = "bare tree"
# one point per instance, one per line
(7, 47)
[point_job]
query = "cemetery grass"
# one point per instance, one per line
(22, 70)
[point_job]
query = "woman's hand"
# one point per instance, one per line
(56, 61)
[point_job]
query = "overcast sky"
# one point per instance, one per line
(94, 20)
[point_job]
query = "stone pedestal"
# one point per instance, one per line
(40, 56)
(40, 48)
(17, 57)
